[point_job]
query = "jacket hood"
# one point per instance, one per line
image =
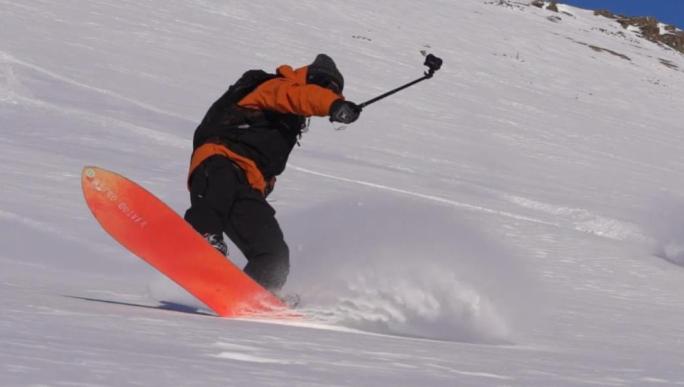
(324, 66)
(298, 75)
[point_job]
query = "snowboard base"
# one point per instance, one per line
(150, 229)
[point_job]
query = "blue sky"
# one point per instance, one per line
(667, 11)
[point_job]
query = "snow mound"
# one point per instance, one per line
(664, 221)
(398, 266)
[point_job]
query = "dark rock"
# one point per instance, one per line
(553, 6)
(669, 64)
(605, 13)
(601, 49)
(650, 29)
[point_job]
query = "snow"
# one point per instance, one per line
(662, 27)
(635, 29)
(516, 220)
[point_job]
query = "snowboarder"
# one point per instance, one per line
(240, 147)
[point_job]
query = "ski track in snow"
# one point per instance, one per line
(7, 59)
(423, 196)
(575, 218)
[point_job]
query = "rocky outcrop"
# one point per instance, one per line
(552, 6)
(650, 28)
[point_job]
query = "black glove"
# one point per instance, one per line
(344, 111)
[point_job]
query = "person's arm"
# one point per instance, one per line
(286, 96)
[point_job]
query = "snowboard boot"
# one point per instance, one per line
(216, 241)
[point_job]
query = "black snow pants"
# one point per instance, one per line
(222, 201)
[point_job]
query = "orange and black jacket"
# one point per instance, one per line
(259, 130)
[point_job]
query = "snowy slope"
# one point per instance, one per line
(517, 220)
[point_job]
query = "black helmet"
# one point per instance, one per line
(323, 72)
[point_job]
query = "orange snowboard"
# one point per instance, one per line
(154, 232)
